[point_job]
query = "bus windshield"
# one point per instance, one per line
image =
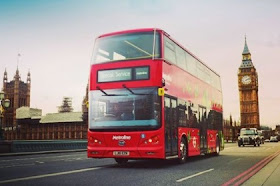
(142, 45)
(124, 109)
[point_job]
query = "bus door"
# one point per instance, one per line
(171, 125)
(203, 128)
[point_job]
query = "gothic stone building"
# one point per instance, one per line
(24, 123)
(31, 125)
(18, 92)
(248, 91)
(53, 126)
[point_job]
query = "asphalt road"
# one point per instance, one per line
(76, 169)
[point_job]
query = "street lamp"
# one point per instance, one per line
(4, 103)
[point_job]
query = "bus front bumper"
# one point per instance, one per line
(129, 152)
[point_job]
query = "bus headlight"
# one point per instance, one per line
(94, 140)
(152, 140)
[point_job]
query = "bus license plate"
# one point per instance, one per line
(121, 153)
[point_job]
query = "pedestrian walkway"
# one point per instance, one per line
(267, 176)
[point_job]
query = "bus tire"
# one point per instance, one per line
(121, 161)
(217, 153)
(183, 151)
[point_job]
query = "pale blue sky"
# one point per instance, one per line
(56, 37)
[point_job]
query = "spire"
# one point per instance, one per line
(5, 79)
(28, 77)
(246, 57)
(17, 77)
(246, 49)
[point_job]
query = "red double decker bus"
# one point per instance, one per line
(149, 97)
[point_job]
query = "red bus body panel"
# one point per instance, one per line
(185, 86)
(193, 140)
(155, 77)
(212, 140)
(133, 143)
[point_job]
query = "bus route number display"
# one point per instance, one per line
(124, 74)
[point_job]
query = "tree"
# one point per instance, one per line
(66, 105)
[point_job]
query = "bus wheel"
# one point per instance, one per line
(217, 153)
(121, 161)
(183, 151)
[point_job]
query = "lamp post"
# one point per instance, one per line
(4, 103)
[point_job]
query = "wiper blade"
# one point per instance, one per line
(106, 94)
(124, 86)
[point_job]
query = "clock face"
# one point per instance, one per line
(246, 80)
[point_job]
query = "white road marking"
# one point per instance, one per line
(16, 165)
(194, 175)
(49, 175)
(68, 159)
(229, 148)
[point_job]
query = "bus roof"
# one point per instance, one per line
(130, 31)
(157, 29)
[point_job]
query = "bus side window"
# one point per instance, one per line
(182, 113)
(193, 122)
(169, 50)
(202, 117)
(211, 119)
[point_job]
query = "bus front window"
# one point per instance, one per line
(122, 109)
(127, 47)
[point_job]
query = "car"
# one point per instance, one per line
(249, 136)
(273, 139)
(262, 139)
(266, 140)
(260, 132)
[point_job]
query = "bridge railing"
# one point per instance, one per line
(41, 145)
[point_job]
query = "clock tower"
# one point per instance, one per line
(248, 91)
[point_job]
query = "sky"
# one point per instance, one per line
(55, 39)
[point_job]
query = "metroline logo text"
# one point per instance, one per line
(121, 137)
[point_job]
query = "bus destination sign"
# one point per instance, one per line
(124, 74)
